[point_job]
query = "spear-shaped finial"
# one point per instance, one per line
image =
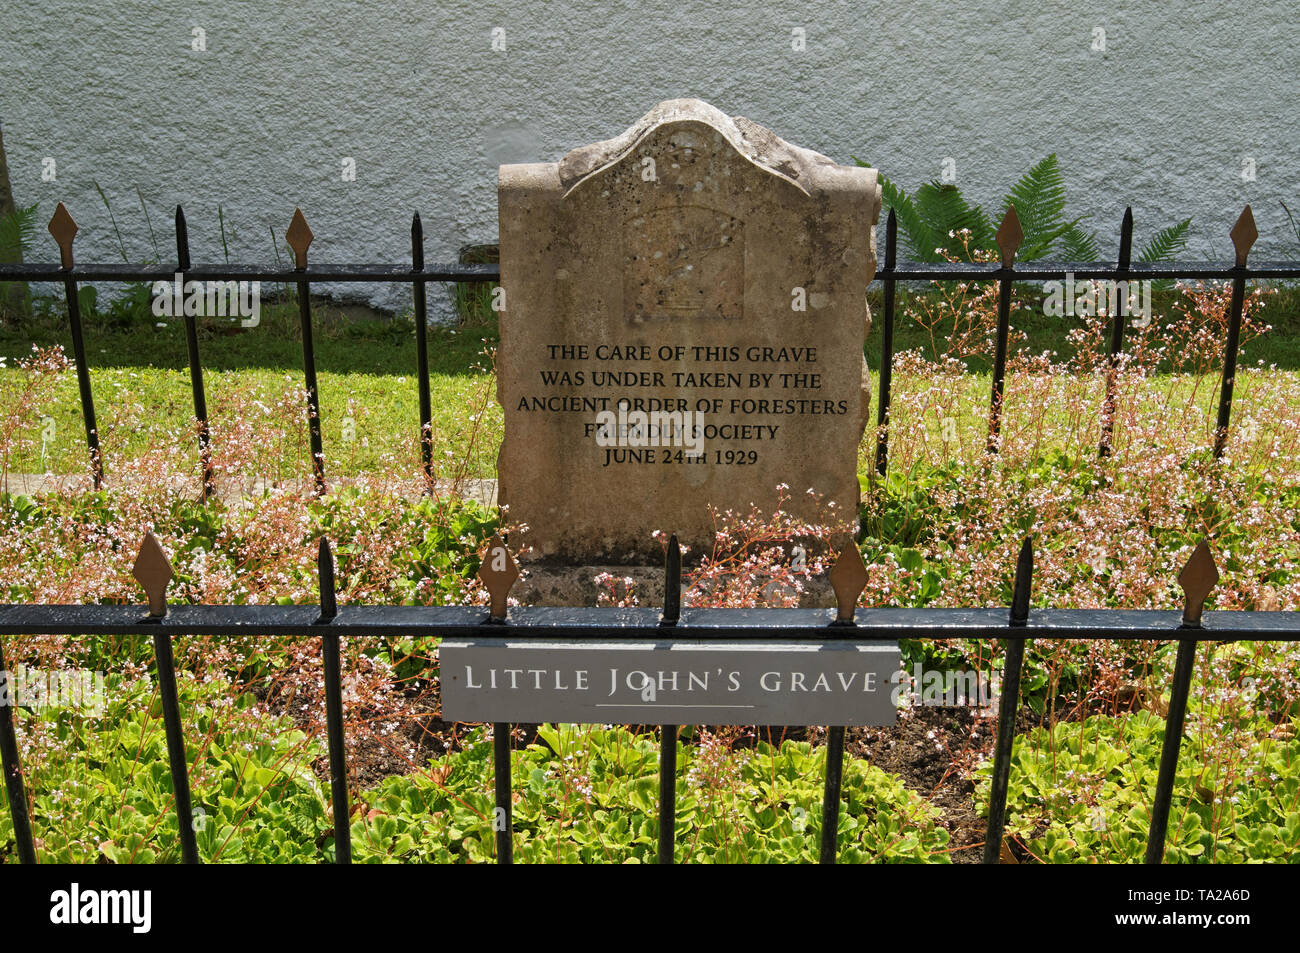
(1009, 237)
(1243, 235)
(154, 572)
(325, 572)
(672, 582)
(848, 578)
(299, 237)
(182, 241)
(498, 573)
(417, 243)
(1126, 239)
(1022, 588)
(1198, 577)
(64, 230)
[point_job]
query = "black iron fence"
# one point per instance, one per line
(1009, 236)
(418, 275)
(847, 625)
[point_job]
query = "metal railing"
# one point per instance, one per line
(418, 275)
(845, 625)
(330, 623)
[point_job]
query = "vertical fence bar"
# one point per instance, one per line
(299, 237)
(886, 346)
(848, 578)
(1198, 577)
(64, 230)
(11, 761)
(498, 572)
(162, 644)
(1117, 333)
(668, 733)
(422, 353)
(1243, 236)
(1009, 703)
(334, 708)
(503, 822)
(154, 573)
(313, 398)
(831, 794)
(192, 348)
(1009, 237)
(1182, 684)
(999, 364)
(83, 383)
(667, 792)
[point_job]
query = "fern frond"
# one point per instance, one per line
(1167, 242)
(945, 211)
(926, 218)
(1078, 245)
(917, 234)
(1039, 198)
(18, 231)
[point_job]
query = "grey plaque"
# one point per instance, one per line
(683, 683)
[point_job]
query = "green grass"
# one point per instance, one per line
(368, 393)
(1281, 310)
(142, 410)
(366, 373)
(363, 346)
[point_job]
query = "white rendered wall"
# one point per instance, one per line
(416, 94)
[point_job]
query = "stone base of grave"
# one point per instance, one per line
(554, 585)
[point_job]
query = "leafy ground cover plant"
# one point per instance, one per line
(1079, 793)
(101, 791)
(589, 794)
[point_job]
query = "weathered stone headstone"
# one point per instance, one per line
(683, 326)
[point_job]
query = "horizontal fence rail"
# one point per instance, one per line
(845, 624)
(641, 625)
(450, 271)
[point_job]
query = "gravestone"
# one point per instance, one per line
(683, 327)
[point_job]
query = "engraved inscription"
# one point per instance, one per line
(683, 262)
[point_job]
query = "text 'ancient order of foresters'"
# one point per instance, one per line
(683, 329)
